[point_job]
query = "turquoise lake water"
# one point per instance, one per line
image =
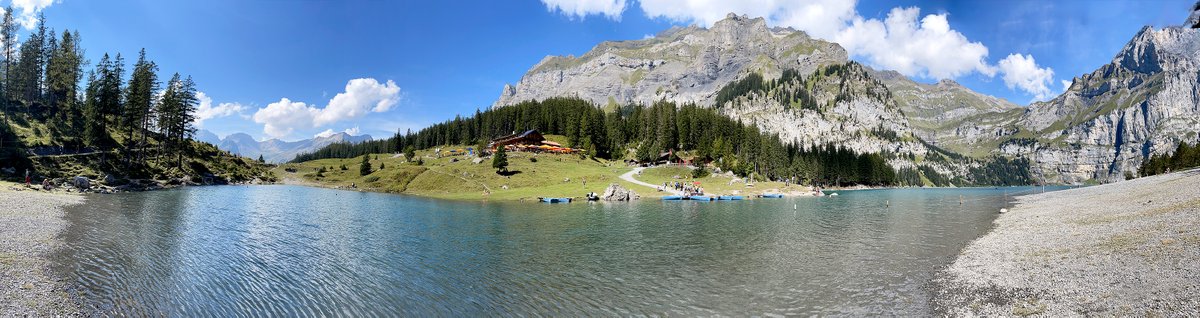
(299, 251)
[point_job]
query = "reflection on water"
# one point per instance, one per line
(296, 251)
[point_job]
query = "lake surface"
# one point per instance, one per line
(298, 251)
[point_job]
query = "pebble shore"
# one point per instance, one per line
(30, 222)
(1130, 248)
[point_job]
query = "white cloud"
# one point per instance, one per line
(361, 97)
(929, 49)
(281, 118)
(323, 134)
(582, 8)
(329, 132)
(207, 111)
(1022, 72)
(1066, 85)
(29, 10)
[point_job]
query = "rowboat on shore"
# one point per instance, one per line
(672, 198)
(555, 200)
(771, 195)
(730, 197)
(701, 198)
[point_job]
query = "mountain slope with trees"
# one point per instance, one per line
(121, 126)
(1107, 122)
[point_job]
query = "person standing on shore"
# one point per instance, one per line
(27, 181)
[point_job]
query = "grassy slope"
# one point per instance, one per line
(463, 180)
(201, 159)
(441, 178)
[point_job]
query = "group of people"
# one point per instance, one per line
(686, 188)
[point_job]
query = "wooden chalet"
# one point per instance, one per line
(529, 137)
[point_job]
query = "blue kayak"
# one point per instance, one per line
(556, 200)
(700, 198)
(771, 195)
(730, 197)
(672, 198)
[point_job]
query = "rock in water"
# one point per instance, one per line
(81, 182)
(616, 192)
(110, 180)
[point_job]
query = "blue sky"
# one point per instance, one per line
(276, 68)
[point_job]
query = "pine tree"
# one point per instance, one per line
(139, 98)
(176, 114)
(500, 160)
(63, 73)
(365, 167)
(8, 50)
(26, 77)
(410, 153)
(94, 134)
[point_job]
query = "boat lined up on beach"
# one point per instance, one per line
(556, 200)
(703, 198)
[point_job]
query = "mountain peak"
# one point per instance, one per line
(1193, 20)
(736, 30)
(1140, 54)
(681, 64)
(948, 83)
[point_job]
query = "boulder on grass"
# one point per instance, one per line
(615, 192)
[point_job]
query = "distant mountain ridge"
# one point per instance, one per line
(1143, 103)
(274, 150)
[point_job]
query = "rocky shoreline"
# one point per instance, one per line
(1121, 249)
(30, 224)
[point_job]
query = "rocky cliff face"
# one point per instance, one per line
(950, 115)
(681, 64)
(1142, 103)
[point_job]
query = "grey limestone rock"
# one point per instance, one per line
(615, 192)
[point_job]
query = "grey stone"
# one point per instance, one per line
(81, 182)
(615, 192)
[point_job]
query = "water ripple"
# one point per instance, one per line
(304, 252)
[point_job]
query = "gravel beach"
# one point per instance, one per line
(30, 223)
(1123, 249)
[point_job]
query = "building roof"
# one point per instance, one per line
(529, 136)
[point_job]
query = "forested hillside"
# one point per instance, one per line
(706, 134)
(59, 121)
(1184, 157)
